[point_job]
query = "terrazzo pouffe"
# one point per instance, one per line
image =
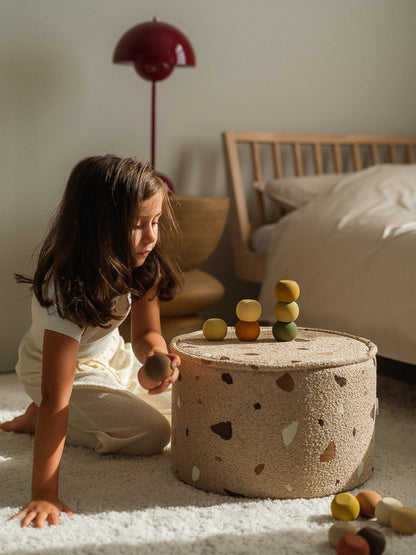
(269, 419)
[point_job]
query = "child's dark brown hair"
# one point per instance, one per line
(87, 258)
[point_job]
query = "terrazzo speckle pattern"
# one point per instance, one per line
(278, 420)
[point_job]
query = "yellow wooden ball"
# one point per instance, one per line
(248, 310)
(345, 506)
(286, 290)
(403, 520)
(286, 312)
(214, 329)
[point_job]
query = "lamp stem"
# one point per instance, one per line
(153, 131)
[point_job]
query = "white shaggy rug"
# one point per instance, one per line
(137, 505)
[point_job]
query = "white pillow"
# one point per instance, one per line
(293, 192)
(260, 238)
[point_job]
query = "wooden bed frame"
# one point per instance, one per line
(288, 154)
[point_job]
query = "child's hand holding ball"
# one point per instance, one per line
(155, 370)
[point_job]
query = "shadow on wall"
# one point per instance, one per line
(33, 89)
(200, 170)
(221, 265)
(35, 83)
(396, 369)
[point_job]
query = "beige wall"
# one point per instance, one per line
(291, 65)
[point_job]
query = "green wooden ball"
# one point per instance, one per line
(284, 331)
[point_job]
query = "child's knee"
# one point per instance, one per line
(152, 442)
(158, 438)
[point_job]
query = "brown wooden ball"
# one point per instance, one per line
(157, 367)
(375, 540)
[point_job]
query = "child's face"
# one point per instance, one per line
(145, 230)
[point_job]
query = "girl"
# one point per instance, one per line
(101, 259)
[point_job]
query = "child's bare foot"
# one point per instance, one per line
(25, 423)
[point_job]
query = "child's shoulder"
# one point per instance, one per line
(122, 304)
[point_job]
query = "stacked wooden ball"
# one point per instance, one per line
(348, 539)
(248, 312)
(246, 329)
(286, 310)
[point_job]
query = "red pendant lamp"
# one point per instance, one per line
(154, 48)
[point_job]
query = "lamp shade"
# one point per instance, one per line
(154, 48)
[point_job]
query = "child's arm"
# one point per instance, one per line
(147, 339)
(58, 368)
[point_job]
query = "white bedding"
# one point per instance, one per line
(353, 253)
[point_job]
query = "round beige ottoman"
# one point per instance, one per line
(271, 419)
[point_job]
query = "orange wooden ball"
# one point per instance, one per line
(368, 500)
(247, 331)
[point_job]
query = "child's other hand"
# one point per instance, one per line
(175, 362)
(37, 512)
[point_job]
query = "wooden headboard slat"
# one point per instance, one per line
(250, 265)
(356, 156)
(256, 161)
(298, 159)
(277, 159)
(318, 159)
(258, 174)
(337, 158)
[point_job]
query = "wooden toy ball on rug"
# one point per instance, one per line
(286, 310)
(349, 540)
(248, 312)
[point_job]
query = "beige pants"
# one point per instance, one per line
(108, 410)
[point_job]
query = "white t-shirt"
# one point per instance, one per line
(91, 338)
(53, 321)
